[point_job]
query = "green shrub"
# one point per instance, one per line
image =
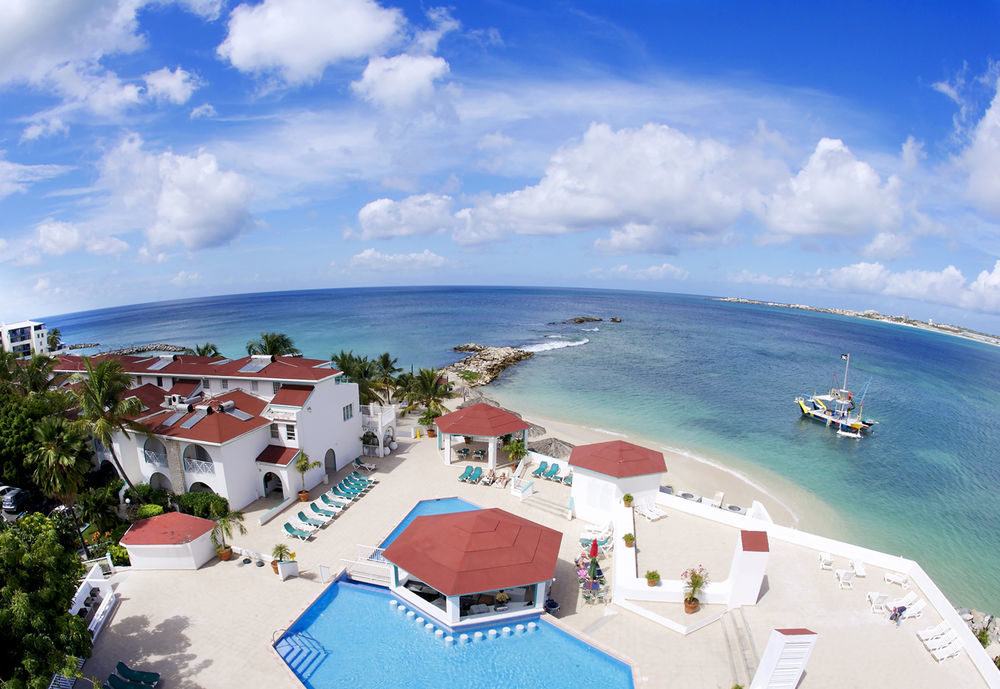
(205, 505)
(147, 511)
(119, 556)
(984, 637)
(152, 496)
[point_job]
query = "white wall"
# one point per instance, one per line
(324, 427)
(185, 556)
(236, 474)
(595, 494)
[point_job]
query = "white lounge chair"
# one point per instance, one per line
(934, 632)
(914, 611)
(941, 641)
(907, 600)
(845, 578)
(897, 578)
(650, 511)
(364, 465)
(302, 526)
(597, 531)
(878, 601)
(859, 568)
(717, 500)
(949, 651)
(825, 561)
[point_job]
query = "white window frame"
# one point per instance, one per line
(349, 412)
(275, 433)
(290, 431)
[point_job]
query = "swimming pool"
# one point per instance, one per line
(352, 636)
(426, 507)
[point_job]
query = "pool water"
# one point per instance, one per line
(426, 507)
(352, 637)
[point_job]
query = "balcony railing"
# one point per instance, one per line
(158, 459)
(196, 466)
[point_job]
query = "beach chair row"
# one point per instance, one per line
(552, 473)
(329, 505)
(941, 641)
(475, 475)
(127, 678)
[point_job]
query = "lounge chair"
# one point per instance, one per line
(323, 513)
(141, 676)
(503, 478)
(859, 568)
(825, 561)
(477, 474)
(488, 479)
(717, 500)
(318, 520)
(335, 502)
(568, 479)
(897, 578)
(466, 473)
(934, 632)
(845, 578)
(650, 511)
(949, 651)
(364, 479)
(941, 641)
(355, 484)
(878, 601)
(306, 526)
(292, 532)
(117, 682)
(542, 468)
(914, 611)
(552, 472)
(348, 489)
(364, 465)
(598, 531)
(907, 600)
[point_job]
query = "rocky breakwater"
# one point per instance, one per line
(141, 349)
(487, 362)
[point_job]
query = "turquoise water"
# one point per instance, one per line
(711, 378)
(351, 637)
(427, 507)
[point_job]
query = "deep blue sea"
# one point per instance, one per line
(713, 378)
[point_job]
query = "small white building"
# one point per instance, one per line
(170, 541)
(604, 472)
(24, 338)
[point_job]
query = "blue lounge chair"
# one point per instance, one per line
(141, 676)
(338, 493)
(117, 682)
(467, 473)
(360, 484)
(541, 469)
(365, 479)
(552, 472)
(349, 488)
(476, 475)
(363, 465)
(306, 519)
(568, 479)
(321, 512)
(296, 533)
(334, 502)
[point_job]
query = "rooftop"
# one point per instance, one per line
(618, 458)
(170, 528)
(482, 420)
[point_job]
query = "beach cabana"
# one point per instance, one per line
(170, 541)
(464, 568)
(480, 423)
(604, 472)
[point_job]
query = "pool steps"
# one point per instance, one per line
(302, 652)
(463, 638)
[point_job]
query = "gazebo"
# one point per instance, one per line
(464, 568)
(478, 422)
(604, 472)
(170, 541)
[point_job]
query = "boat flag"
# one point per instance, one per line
(845, 356)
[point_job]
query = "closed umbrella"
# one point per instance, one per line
(592, 570)
(593, 549)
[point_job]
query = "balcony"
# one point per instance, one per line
(157, 459)
(196, 466)
(375, 417)
(280, 415)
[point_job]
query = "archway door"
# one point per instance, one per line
(199, 487)
(330, 461)
(160, 482)
(272, 483)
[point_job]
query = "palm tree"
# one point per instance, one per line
(430, 390)
(360, 370)
(385, 374)
(469, 377)
(207, 349)
(54, 339)
(9, 368)
(275, 344)
(303, 465)
(105, 407)
(60, 464)
(515, 450)
(228, 520)
(36, 374)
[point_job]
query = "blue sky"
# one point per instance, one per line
(836, 154)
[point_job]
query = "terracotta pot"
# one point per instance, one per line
(628, 503)
(225, 553)
(431, 433)
(652, 582)
(629, 544)
(274, 566)
(691, 606)
(304, 496)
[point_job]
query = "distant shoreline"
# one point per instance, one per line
(872, 315)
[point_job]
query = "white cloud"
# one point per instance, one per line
(887, 246)
(372, 260)
(205, 110)
(912, 153)
(494, 141)
(184, 278)
(209, 9)
(984, 293)
(177, 199)
(15, 177)
(414, 215)
(634, 238)
(50, 126)
(42, 285)
(835, 193)
(175, 87)
(59, 238)
(443, 24)
(400, 81)
(981, 159)
(665, 271)
(652, 176)
(298, 39)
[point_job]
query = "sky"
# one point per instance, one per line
(837, 154)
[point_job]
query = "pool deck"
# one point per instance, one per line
(214, 627)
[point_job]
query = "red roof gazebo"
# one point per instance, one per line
(604, 472)
(618, 458)
(480, 420)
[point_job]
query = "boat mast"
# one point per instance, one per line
(846, 367)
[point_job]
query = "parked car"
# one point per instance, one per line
(4, 490)
(15, 501)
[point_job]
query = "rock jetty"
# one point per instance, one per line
(488, 362)
(140, 349)
(586, 319)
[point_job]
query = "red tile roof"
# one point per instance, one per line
(276, 454)
(292, 395)
(170, 528)
(618, 458)
(755, 541)
(481, 550)
(282, 368)
(797, 631)
(149, 396)
(217, 427)
(184, 387)
(481, 419)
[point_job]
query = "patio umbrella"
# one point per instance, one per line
(592, 570)
(593, 549)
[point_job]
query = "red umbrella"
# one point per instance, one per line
(593, 548)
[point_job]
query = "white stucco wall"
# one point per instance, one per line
(324, 427)
(595, 495)
(185, 556)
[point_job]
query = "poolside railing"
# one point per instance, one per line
(370, 552)
(521, 488)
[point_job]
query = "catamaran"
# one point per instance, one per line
(836, 408)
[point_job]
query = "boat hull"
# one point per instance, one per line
(838, 421)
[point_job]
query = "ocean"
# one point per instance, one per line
(710, 378)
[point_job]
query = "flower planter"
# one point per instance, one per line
(274, 566)
(225, 553)
(691, 606)
(304, 496)
(431, 433)
(629, 544)
(652, 582)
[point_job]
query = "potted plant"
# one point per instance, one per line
(629, 540)
(369, 438)
(302, 465)
(627, 499)
(223, 529)
(695, 580)
(516, 450)
(652, 577)
(280, 552)
(427, 419)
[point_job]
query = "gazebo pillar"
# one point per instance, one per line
(447, 446)
(452, 610)
(491, 453)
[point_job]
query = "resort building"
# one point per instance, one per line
(24, 338)
(235, 427)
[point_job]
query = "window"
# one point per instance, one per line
(225, 384)
(274, 431)
(275, 387)
(159, 381)
(253, 385)
(206, 383)
(348, 412)
(290, 432)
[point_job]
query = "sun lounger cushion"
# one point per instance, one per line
(142, 676)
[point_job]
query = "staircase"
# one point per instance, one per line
(743, 658)
(302, 652)
(545, 505)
